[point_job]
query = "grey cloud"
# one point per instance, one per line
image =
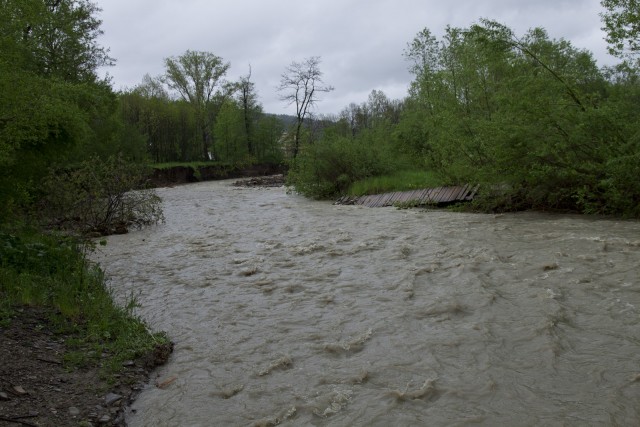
(361, 42)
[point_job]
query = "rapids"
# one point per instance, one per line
(296, 312)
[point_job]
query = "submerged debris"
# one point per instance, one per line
(262, 181)
(427, 391)
(281, 363)
(331, 403)
(228, 392)
(276, 419)
(353, 345)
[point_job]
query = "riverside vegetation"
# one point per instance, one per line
(532, 119)
(65, 174)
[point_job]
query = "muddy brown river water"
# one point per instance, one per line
(296, 312)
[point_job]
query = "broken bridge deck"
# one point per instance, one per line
(427, 196)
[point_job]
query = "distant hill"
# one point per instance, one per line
(287, 119)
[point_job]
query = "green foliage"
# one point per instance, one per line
(622, 24)
(56, 40)
(267, 142)
(52, 271)
(328, 167)
(530, 116)
(193, 165)
(197, 77)
(230, 134)
(52, 106)
(171, 132)
(97, 197)
(359, 145)
(247, 99)
(168, 128)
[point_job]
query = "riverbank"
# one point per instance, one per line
(70, 355)
(38, 389)
(184, 174)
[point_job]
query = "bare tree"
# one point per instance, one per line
(300, 85)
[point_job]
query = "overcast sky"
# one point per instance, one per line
(360, 42)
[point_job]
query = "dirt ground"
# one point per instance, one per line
(36, 390)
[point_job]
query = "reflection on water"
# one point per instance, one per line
(294, 312)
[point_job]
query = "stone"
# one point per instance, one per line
(4, 396)
(73, 411)
(112, 398)
(104, 419)
(19, 390)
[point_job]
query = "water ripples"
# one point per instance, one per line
(287, 311)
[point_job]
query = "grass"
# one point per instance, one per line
(399, 181)
(53, 272)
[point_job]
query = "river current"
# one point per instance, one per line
(286, 311)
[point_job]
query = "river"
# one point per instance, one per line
(286, 311)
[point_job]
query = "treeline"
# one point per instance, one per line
(166, 128)
(532, 119)
(57, 117)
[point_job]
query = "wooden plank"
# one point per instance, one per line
(432, 195)
(451, 194)
(439, 196)
(473, 192)
(424, 196)
(459, 193)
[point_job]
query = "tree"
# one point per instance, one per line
(269, 130)
(46, 47)
(622, 25)
(300, 85)
(230, 134)
(197, 77)
(151, 87)
(248, 100)
(51, 100)
(56, 38)
(530, 115)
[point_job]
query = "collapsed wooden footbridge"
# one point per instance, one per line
(425, 197)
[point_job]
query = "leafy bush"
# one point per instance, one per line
(100, 196)
(328, 167)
